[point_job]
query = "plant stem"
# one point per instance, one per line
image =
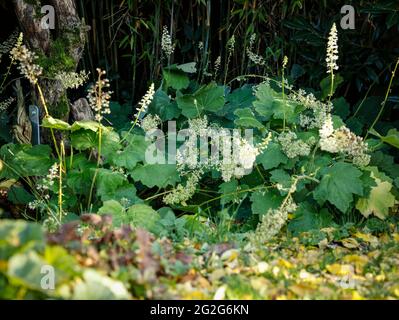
(385, 100)
(61, 168)
(43, 101)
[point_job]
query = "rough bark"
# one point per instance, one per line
(80, 110)
(69, 29)
(38, 38)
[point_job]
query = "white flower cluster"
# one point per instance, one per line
(292, 146)
(145, 102)
(232, 156)
(150, 122)
(7, 45)
(36, 204)
(99, 96)
(217, 64)
(26, 60)
(187, 156)
(319, 110)
(255, 58)
(47, 182)
(119, 170)
(50, 224)
(231, 44)
(272, 222)
(182, 193)
(166, 42)
(43, 188)
(72, 80)
(332, 50)
(6, 103)
(285, 62)
(343, 141)
(238, 159)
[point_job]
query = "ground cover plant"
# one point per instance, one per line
(210, 187)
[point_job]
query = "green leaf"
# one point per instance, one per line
(119, 116)
(208, 98)
(132, 154)
(265, 97)
(175, 78)
(262, 201)
(385, 163)
(96, 286)
(25, 269)
(339, 184)
(80, 176)
(113, 208)
(240, 98)
(270, 103)
(110, 144)
(282, 177)
(18, 195)
(189, 67)
(230, 193)
(108, 181)
(126, 192)
(325, 85)
(297, 71)
(379, 201)
(306, 218)
(160, 175)
(50, 122)
(25, 161)
(272, 156)
(19, 236)
(163, 107)
(392, 138)
(246, 119)
(87, 125)
(84, 139)
(143, 216)
(341, 107)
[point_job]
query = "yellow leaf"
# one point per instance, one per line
(285, 263)
(359, 261)
(350, 243)
(340, 269)
(7, 184)
(379, 201)
(380, 277)
(356, 296)
(366, 237)
(230, 255)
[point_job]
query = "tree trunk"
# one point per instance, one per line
(60, 50)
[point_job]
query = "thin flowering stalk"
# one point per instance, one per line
(230, 49)
(99, 98)
(332, 55)
(43, 101)
(60, 169)
(142, 107)
(285, 62)
(385, 100)
(32, 72)
(17, 44)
